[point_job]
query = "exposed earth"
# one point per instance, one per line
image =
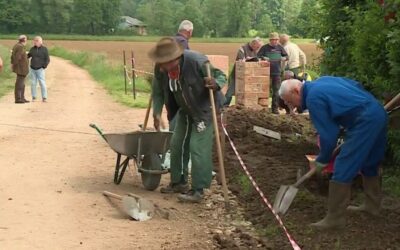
(273, 163)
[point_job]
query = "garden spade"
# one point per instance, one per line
(286, 194)
(136, 207)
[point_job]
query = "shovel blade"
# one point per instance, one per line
(279, 196)
(287, 199)
(133, 209)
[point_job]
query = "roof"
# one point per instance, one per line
(130, 21)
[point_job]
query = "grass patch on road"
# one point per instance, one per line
(6, 75)
(111, 76)
(144, 38)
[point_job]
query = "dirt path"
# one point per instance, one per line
(51, 182)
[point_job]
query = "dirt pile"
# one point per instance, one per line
(273, 163)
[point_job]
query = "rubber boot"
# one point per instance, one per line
(339, 197)
(372, 191)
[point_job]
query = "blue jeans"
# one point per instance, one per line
(38, 76)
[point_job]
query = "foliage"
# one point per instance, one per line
(111, 76)
(361, 42)
(211, 18)
(6, 76)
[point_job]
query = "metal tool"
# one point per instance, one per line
(286, 194)
(135, 206)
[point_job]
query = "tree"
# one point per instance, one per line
(192, 11)
(86, 17)
(275, 10)
(239, 18)
(110, 15)
(265, 26)
(215, 16)
(13, 16)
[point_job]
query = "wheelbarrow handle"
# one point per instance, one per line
(92, 125)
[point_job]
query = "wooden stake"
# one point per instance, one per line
(123, 52)
(218, 142)
(133, 75)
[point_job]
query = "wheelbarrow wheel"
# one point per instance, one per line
(151, 162)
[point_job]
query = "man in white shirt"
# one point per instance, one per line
(297, 58)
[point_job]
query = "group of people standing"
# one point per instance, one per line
(282, 55)
(39, 60)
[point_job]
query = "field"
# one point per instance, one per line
(113, 49)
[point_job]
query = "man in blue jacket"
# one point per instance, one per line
(335, 102)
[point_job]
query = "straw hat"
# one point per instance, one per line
(166, 50)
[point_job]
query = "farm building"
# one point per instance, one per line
(133, 24)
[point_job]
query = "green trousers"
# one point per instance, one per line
(187, 142)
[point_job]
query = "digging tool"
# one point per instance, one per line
(135, 206)
(146, 119)
(286, 194)
(218, 142)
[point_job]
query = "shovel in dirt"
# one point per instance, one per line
(286, 194)
(136, 207)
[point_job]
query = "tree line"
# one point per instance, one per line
(212, 18)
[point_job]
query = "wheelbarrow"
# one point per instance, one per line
(146, 148)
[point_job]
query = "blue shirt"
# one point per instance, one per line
(333, 102)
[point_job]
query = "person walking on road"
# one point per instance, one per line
(39, 61)
(194, 131)
(20, 66)
(335, 102)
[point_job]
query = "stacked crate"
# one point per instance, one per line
(252, 84)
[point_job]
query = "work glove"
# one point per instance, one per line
(211, 83)
(157, 122)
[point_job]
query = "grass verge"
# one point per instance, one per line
(6, 75)
(142, 38)
(111, 76)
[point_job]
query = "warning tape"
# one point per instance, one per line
(295, 246)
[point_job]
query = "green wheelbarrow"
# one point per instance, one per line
(146, 148)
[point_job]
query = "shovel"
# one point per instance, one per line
(286, 194)
(136, 207)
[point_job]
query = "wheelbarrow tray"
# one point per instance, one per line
(143, 142)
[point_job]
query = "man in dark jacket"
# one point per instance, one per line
(194, 131)
(39, 61)
(275, 54)
(245, 52)
(19, 64)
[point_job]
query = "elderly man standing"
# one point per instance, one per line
(275, 54)
(19, 64)
(297, 58)
(246, 52)
(188, 81)
(39, 61)
(185, 32)
(335, 102)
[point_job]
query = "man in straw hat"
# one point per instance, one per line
(193, 131)
(275, 54)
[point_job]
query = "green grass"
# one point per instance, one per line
(141, 38)
(244, 183)
(6, 76)
(109, 75)
(391, 180)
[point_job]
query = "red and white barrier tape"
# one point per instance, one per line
(278, 218)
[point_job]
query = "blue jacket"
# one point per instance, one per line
(333, 102)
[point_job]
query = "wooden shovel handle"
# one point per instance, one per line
(310, 173)
(112, 195)
(218, 142)
(393, 101)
